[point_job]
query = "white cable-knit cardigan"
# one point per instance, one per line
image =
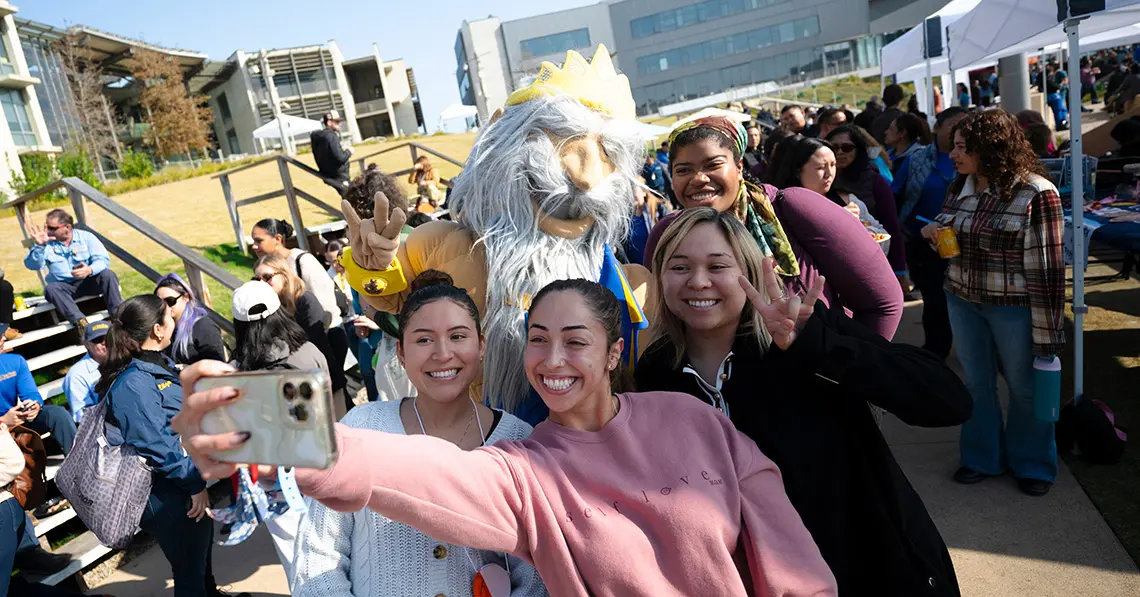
(367, 555)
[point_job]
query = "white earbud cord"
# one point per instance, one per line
(483, 442)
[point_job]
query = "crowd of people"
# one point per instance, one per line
(742, 454)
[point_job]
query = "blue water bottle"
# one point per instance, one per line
(1047, 390)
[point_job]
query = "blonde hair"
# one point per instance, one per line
(294, 286)
(748, 258)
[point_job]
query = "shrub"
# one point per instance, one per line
(78, 165)
(136, 165)
(38, 169)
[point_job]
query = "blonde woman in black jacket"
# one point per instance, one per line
(802, 396)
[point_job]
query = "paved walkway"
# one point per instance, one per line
(1004, 544)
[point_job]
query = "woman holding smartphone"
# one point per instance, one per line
(441, 345)
(615, 494)
(801, 392)
(143, 391)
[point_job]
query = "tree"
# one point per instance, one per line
(95, 135)
(179, 122)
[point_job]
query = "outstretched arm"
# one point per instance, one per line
(467, 498)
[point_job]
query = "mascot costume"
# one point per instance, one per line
(546, 192)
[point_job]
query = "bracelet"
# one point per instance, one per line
(373, 283)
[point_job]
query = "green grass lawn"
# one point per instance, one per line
(227, 255)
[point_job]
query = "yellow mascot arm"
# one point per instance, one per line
(641, 283)
(420, 252)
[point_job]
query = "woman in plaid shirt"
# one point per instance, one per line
(1006, 295)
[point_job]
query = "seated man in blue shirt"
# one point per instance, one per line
(21, 403)
(77, 265)
(79, 383)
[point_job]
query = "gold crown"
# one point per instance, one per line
(596, 84)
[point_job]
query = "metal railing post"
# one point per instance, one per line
(197, 280)
(235, 217)
(24, 216)
(294, 209)
(78, 206)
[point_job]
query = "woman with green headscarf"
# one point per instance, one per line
(806, 234)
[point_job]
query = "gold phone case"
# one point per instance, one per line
(288, 415)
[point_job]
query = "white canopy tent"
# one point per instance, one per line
(285, 127)
(455, 111)
(906, 52)
(997, 28)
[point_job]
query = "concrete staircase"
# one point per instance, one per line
(51, 345)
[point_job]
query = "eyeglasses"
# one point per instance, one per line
(267, 278)
(172, 300)
(845, 147)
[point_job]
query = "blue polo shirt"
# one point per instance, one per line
(60, 259)
(933, 192)
(16, 382)
(79, 386)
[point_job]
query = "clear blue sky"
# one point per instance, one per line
(422, 33)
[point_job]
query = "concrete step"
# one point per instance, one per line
(49, 523)
(51, 389)
(52, 469)
(53, 330)
(56, 356)
(37, 305)
(84, 551)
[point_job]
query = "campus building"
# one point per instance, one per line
(376, 98)
(26, 130)
(674, 50)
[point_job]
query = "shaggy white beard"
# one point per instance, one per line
(513, 165)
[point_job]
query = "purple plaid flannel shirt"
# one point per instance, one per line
(1011, 253)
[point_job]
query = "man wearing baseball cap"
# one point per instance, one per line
(79, 383)
(21, 403)
(331, 158)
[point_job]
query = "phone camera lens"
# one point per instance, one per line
(299, 413)
(306, 391)
(290, 391)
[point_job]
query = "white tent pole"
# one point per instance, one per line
(1076, 153)
(1044, 88)
(929, 77)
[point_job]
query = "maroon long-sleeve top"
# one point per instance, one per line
(828, 242)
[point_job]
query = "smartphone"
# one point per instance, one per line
(288, 414)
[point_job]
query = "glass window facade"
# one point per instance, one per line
(556, 43)
(693, 14)
(6, 66)
(53, 91)
(16, 113)
(740, 43)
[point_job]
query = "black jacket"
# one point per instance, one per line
(807, 410)
(331, 159)
(205, 343)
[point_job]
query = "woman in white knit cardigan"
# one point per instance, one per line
(366, 555)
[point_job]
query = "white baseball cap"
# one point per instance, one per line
(254, 301)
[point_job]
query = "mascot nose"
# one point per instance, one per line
(585, 162)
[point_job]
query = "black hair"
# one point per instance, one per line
(701, 133)
(418, 219)
(60, 216)
(334, 245)
(258, 341)
(948, 113)
(828, 114)
(431, 286)
(862, 158)
(893, 95)
(605, 307)
(1135, 68)
(791, 159)
(789, 108)
(362, 191)
(132, 325)
(914, 127)
(773, 138)
(274, 227)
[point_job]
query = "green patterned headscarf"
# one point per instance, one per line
(752, 206)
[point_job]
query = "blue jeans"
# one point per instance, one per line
(58, 421)
(365, 348)
(186, 543)
(983, 334)
(62, 294)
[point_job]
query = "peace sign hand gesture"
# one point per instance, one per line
(374, 241)
(784, 316)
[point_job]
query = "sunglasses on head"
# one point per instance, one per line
(172, 300)
(845, 147)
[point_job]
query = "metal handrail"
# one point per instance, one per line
(196, 265)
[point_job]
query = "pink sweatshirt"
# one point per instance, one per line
(654, 504)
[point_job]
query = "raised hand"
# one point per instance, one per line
(783, 316)
(374, 241)
(39, 235)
